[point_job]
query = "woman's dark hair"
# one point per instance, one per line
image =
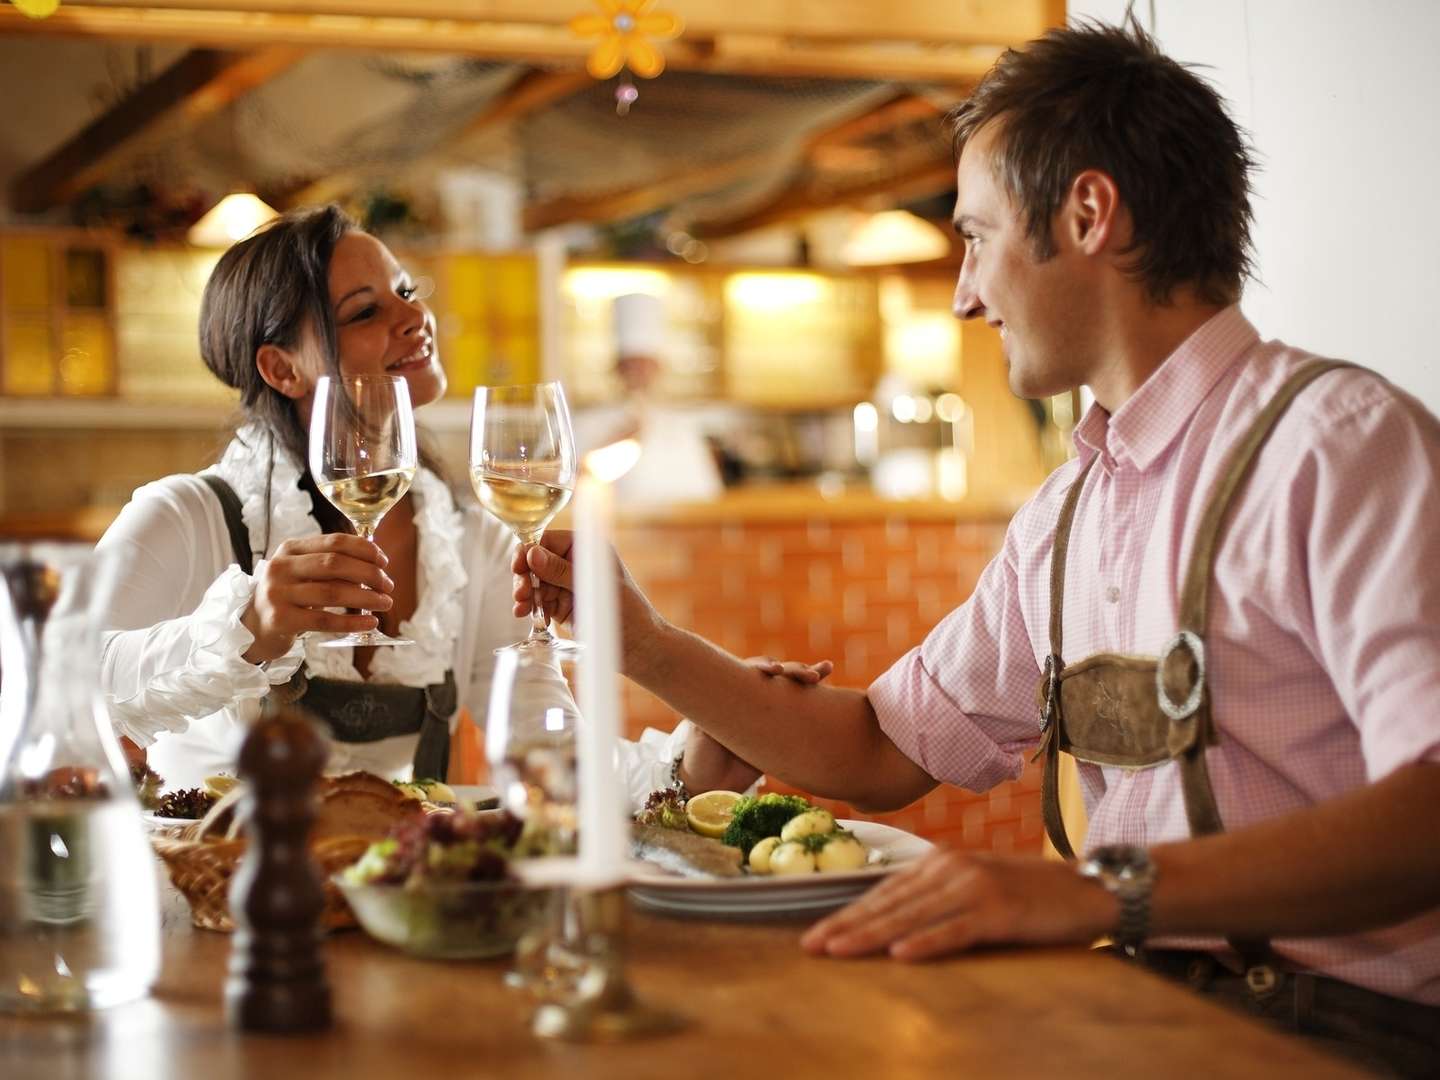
(266, 290)
(1104, 97)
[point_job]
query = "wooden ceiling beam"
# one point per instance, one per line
(615, 206)
(200, 83)
(531, 92)
(961, 22)
(900, 111)
(924, 178)
(633, 202)
(722, 52)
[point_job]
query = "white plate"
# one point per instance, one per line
(480, 796)
(763, 896)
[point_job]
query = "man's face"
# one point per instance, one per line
(1036, 305)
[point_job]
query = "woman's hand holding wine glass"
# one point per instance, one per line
(363, 456)
(295, 586)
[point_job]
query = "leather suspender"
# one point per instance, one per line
(403, 709)
(1180, 677)
(234, 520)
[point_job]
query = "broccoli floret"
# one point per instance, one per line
(756, 818)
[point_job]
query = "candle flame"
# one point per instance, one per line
(610, 462)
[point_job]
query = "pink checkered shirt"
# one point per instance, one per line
(1323, 645)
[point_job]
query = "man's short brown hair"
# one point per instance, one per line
(1103, 97)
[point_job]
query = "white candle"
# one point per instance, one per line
(604, 809)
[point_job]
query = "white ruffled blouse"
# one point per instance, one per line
(171, 664)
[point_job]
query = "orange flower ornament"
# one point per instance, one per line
(625, 29)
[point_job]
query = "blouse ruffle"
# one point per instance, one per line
(439, 613)
(215, 673)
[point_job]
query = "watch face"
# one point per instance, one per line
(1124, 861)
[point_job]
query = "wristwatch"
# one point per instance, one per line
(1127, 873)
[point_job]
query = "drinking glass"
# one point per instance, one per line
(522, 467)
(363, 458)
(79, 913)
(530, 749)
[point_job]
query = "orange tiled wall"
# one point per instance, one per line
(860, 593)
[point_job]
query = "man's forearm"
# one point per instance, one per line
(1366, 859)
(822, 739)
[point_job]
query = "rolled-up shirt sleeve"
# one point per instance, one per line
(1363, 507)
(961, 705)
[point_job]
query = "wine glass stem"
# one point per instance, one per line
(539, 624)
(365, 532)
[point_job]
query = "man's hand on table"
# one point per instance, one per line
(949, 902)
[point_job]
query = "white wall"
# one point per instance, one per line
(1340, 99)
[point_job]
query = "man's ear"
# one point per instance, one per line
(279, 370)
(1092, 213)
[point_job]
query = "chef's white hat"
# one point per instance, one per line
(639, 321)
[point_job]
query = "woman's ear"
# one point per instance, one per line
(280, 371)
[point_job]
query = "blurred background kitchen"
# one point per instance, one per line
(781, 189)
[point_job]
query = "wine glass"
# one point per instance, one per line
(522, 467)
(530, 749)
(363, 458)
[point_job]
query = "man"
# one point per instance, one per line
(1280, 789)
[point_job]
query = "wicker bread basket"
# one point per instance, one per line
(201, 863)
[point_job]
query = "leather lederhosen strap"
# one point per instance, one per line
(367, 712)
(357, 712)
(234, 520)
(1139, 711)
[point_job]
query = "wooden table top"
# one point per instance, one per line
(757, 1005)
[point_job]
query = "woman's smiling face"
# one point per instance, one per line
(381, 326)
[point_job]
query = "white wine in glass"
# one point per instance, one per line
(522, 467)
(363, 456)
(366, 499)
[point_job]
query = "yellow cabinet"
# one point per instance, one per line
(487, 311)
(57, 334)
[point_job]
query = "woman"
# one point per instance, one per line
(212, 614)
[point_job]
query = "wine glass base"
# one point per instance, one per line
(552, 646)
(369, 637)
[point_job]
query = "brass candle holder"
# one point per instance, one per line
(603, 1007)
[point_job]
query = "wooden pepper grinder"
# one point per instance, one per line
(277, 974)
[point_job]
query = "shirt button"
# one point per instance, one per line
(1113, 594)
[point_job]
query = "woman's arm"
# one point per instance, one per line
(171, 638)
(188, 632)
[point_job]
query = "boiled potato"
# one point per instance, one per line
(842, 852)
(437, 790)
(791, 857)
(760, 854)
(815, 822)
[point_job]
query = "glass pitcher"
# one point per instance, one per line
(79, 910)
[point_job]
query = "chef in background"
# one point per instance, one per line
(676, 463)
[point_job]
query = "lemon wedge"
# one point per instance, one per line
(709, 812)
(219, 785)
